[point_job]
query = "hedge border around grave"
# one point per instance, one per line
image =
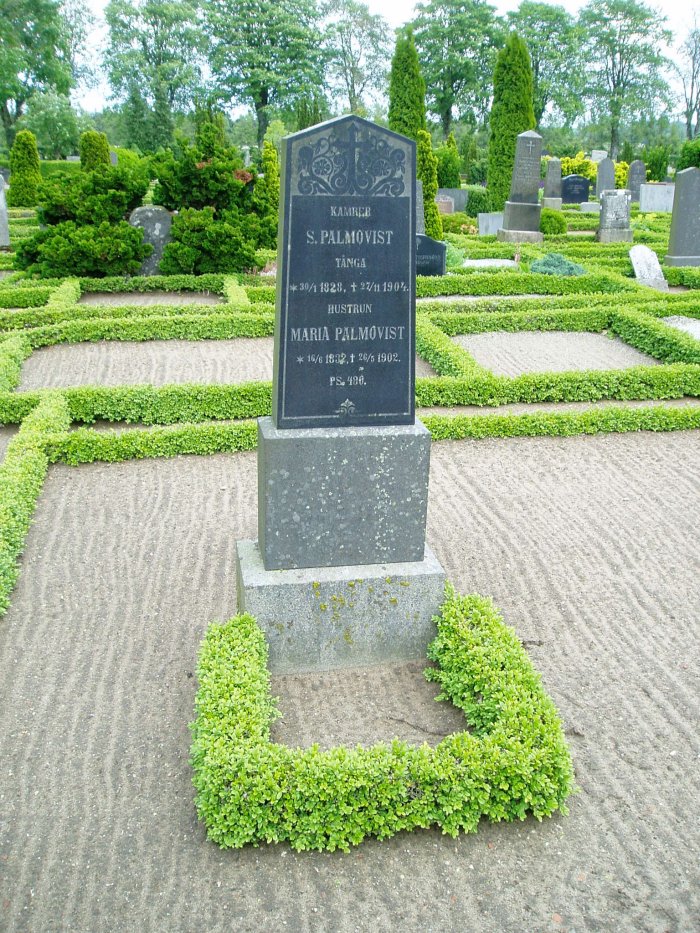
(250, 790)
(519, 283)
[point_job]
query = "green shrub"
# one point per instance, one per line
(426, 171)
(25, 175)
(406, 88)
(448, 164)
(266, 197)
(690, 155)
(93, 250)
(656, 161)
(94, 150)
(457, 222)
(56, 168)
(556, 264)
(478, 201)
(552, 222)
(195, 180)
(202, 243)
(108, 193)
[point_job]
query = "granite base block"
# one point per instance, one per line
(323, 618)
(519, 236)
(552, 204)
(682, 260)
(590, 207)
(614, 236)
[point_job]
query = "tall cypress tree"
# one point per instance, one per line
(25, 174)
(406, 88)
(426, 171)
(512, 113)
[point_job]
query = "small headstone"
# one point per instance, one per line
(597, 155)
(521, 217)
(552, 186)
(590, 207)
(490, 223)
(575, 189)
(605, 180)
(459, 197)
(684, 241)
(4, 217)
(615, 217)
(5, 172)
(636, 177)
(490, 264)
(656, 197)
(246, 155)
(113, 157)
(647, 268)
(73, 158)
(420, 208)
(155, 223)
(445, 205)
(431, 256)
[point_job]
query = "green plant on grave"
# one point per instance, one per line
(266, 197)
(194, 179)
(426, 171)
(478, 200)
(204, 243)
(94, 150)
(25, 175)
(448, 164)
(552, 222)
(690, 155)
(93, 250)
(556, 264)
(109, 193)
(656, 161)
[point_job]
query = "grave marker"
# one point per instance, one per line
(615, 217)
(605, 180)
(552, 186)
(636, 177)
(431, 256)
(420, 208)
(490, 223)
(4, 217)
(656, 197)
(684, 240)
(647, 268)
(155, 223)
(521, 217)
(459, 197)
(575, 189)
(445, 205)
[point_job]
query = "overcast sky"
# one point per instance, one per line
(396, 13)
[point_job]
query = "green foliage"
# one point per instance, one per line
(478, 201)
(54, 122)
(656, 160)
(18, 297)
(555, 263)
(266, 197)
(108, 193)
(193, 180)
(448, 164)
(406, 88)
(426, 171)
(24, 171)
(511, 114)
(358, 48)
(96, 250)
(203, 243)
(499, 282)
(622, 170)
(690, 155)
(51, 169)
(334, 799)
(552, 222)
(579, 165)
(94, 150)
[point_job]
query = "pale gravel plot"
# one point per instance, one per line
(689, 325)
(7, 432)
(512, 354)
(588, 544)
(150, 298)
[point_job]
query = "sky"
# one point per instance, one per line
(396, 13)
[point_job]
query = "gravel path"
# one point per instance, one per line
(589, 546)
(150, 298)
(690, 325)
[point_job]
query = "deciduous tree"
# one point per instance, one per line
(687, 67)
(358, 48)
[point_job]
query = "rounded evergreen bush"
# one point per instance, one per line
(448, 164)
(690, 155)
(204, 243)
(478, 201)
(94, 250)
(556, 264)
(552, 222)
(94, 150)
(25, 174)
(107, 193)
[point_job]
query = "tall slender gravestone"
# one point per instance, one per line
(4, 217)
(521, 217)
(636, 177)
(615, 217)
(552, 186)
(340, 574)
(605, 179)
(155, 223)
(684, 241)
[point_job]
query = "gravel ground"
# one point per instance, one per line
(690, 325)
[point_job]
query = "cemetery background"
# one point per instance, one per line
(585, 542)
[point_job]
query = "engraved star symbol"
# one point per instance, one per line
(300, 359)
(292, 288)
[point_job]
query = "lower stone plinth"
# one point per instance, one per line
(614, 236)
(519, 236)
(552, 204)
(322, 618)
(682, 260)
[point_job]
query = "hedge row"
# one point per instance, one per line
(212, 282)
(521, 283)
(445, 356)
(683, 275)
(14, 296)
(251, 790)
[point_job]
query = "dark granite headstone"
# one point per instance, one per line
(605, 180)
(684, 241)
(521, 216)
(420, 207)
(4, 217)
(575, 189)
(345, 332)
(552, 182)
(459, 197)
(431, 256)
(155, 223)
(636, 177)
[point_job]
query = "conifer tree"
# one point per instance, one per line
(94, 150)
(266, 196)
(406, 88)
(426, 171)
(512, 113)
(25, 174)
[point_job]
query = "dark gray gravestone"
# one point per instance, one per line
(155, 223)
(636, 177)
(575, 189)
(346, 278)
(552, 186)
(605, 180)
(521, 217)
(420, 208)
(113, 157)
(4, 217)
(431, 256)
(684, 241)
(490, 222)
(615, 217)
(459, 197)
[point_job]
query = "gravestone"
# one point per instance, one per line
(73, 158)
(521, 217)
(155, 223)
(636, 177)
(490, 223)
(445, 205)
(420, 208)
(647, 268)
(341, 574)
(575, 189)
(615, 217)
(113, 157)
(459, 197)
(4, 217)
(605, 180)
(590, 207)
(684, 241)
(597, 155)
(656, 197)
(552, 186)
(5, 172)
(431, 256)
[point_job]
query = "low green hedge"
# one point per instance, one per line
(519, 283)
(18, 297)
(212, 282)
(515, 761)
(682, 275)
